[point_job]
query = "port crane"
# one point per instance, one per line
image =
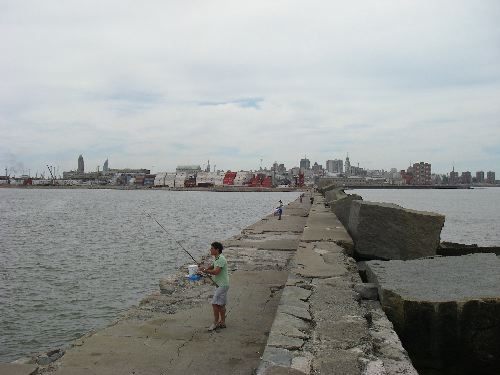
(50, 171)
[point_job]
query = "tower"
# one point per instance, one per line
(81, 167)
(347, 166)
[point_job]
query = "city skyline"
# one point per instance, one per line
(158, 85)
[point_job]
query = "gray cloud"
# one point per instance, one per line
(167, 83)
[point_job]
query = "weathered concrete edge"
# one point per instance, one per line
(294, 325)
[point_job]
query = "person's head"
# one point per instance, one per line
(216, 248)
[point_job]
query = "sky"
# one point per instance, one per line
(156, 84)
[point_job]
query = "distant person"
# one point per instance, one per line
(301, 196)
(279, 209)
(312, 200)
(221, 278)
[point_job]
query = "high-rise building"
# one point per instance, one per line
(490, 177)
(347, 166)
(421, 174)
(335, 166)
(81, 166)
(466, 178)
(453, 177)
(105, 166)
(480, 176)
(305, 164)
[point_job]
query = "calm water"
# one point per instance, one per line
(72, 260)
(472, 216)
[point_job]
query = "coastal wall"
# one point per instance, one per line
(445, 309)
(327, 320)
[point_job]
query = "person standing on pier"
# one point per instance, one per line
(279, 209)
(221, 278)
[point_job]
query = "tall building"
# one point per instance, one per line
(421, 173)
(480, 176)
(490, 177)
(335, 166)
(347, 166)
(81, 167)
(453, 177)
(305, 164)
(466, 177)
(105, 166)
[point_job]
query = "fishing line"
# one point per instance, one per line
(178, 243)
(169, 236)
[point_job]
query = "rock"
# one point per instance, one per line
(284, 342)
(167, 285)
(341, 206)
(367, 291)
(446, 310)
(388, 231)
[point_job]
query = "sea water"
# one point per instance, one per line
(72, 260)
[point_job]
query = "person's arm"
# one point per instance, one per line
(208, 269)
(212, 271)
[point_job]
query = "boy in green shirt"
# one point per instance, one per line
(219, 270)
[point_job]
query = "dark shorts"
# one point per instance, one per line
(220, 296)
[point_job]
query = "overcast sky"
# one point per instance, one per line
(154, 84)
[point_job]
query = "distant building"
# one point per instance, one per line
(490, 177)
(480, 176)
(335, 166)
(317, 168)
(453, 177)
(105, 167)
(305, 164)
(188, 169)
(347, 166)
(421, 174)
(81, 166)
(466, 177)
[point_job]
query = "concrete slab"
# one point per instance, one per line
(17, 369)
(324, 226)
(286, 224)
(310, 263)
(446, 310)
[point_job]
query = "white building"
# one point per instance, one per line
(165, 179)
(242, 178)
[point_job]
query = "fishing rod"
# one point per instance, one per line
(168, 234)
(178, 243)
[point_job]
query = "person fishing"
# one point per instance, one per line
(221, 278)
(279, 209)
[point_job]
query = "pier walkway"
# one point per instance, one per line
(166, 333)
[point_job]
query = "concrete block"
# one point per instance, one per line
(446, 310)
(388, 231)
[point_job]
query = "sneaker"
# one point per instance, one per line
(221, 325)
(213, 327)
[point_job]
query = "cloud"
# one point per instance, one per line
(167, 83)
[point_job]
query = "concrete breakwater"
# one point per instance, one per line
(446, 310)
(297, 305)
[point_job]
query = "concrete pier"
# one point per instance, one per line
(296, 306)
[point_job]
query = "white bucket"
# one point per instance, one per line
(192, 269)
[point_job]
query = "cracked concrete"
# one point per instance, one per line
(321, 325)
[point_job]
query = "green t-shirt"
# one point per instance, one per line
(222, 279)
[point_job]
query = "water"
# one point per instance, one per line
(72, 260)
(472, 215)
